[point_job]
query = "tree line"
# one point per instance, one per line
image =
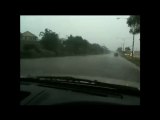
(127, 50)
(51, 45)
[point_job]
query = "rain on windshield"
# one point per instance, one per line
(105, 48)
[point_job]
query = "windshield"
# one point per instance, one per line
(102, 48)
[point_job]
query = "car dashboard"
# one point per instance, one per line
(41, 94)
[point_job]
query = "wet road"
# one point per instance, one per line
(92, 65)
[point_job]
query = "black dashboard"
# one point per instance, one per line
(37, 94)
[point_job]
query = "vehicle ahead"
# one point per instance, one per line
(59, 91)
(116, 54)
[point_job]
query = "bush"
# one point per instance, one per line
(47, 53)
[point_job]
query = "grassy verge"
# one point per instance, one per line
(135, 60)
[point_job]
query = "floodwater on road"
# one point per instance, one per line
(105, 66)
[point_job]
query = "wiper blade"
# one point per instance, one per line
(78, 82)
(72, 80)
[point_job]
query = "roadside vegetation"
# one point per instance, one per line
(134, 60)
(50, 45)
(127, 55)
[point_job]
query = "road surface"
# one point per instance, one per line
(106, 65)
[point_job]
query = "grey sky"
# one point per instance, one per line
(104, 30)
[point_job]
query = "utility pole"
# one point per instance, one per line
(133, 30)
(133, 47)
(123, 45)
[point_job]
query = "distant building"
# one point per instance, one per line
(29, 36)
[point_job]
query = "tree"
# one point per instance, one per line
(69, 45)
(76, 45)
(134, 24)
(119, 49)
(50, 40)
(105, 49)
(127, 49)
(96, 48)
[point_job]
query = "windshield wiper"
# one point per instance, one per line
(82, 84)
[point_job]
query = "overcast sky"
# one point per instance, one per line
(104, 30)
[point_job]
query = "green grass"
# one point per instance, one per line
(134, 60)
